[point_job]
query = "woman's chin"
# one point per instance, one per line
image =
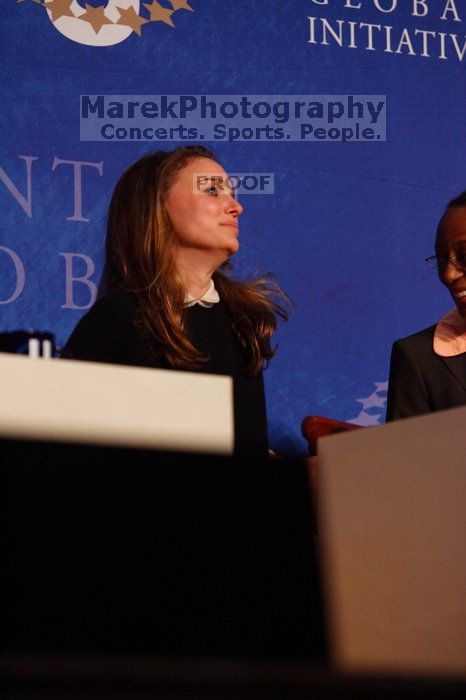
(231, 248)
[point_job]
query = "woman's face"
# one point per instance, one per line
(451, 243)
(202, 210)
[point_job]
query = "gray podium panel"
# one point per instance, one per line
(392, 527)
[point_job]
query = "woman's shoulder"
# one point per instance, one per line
(106, 330)
(115, 302)
(115, 309)
(420, 339)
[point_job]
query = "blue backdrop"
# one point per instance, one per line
(349, 224)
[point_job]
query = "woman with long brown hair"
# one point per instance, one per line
(166, 297)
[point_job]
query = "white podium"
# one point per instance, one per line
(100, 404)
(392, 526)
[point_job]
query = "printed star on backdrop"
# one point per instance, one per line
(130, 18)
(95, 17)
(372, 401)
(381, 386)
(366, 419)
(181, 5)
(159, 13)
(59, 8)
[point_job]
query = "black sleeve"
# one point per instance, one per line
(105, 334)
(407, 392)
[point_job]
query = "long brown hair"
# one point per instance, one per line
(140, 259)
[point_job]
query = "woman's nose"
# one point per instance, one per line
(450, 273)
(233, 206)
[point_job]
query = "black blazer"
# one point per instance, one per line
(107, 333)
(422, 381)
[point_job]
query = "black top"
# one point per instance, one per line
(107, 334)
(422, 381)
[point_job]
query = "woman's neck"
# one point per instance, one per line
(195, 274)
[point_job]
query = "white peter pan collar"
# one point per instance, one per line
(208, 299)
